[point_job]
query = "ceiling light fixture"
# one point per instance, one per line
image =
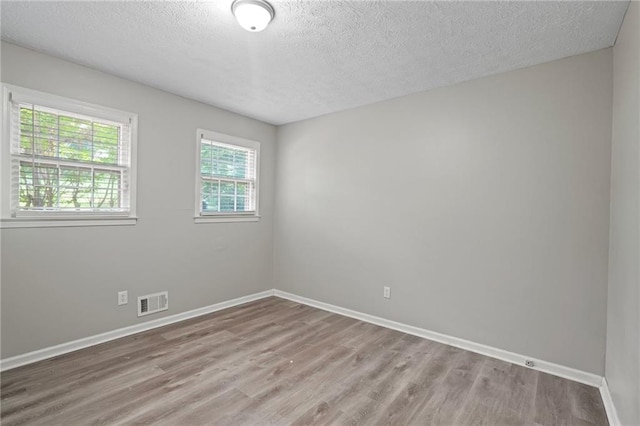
(252, 15)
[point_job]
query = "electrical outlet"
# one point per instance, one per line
(528, 363)
(123, 297)
(387, 292)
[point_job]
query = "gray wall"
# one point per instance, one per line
(60, 284)
(623, 313)
(485, 207)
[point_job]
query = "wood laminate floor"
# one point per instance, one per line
(278, 362)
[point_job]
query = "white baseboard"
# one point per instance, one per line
(39, 355)
(514, 358)
(610, 408)
(547, 367)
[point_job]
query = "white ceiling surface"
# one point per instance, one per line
(316, 57)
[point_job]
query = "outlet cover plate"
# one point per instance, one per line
(123, 298)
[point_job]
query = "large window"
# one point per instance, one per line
(227, 178)
(66, 160)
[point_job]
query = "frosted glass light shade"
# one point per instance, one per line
(252, 15)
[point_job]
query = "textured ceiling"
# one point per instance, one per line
(317, 56)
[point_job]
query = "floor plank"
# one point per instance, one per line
(276, 362)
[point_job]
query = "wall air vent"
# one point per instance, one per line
(152, 303)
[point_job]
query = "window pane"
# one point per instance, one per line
(242, 204)
(205, 159)
(209, 196)
(227, 188)
(229, 162)
(240, 160)
(75, 139)
(70, 138)
(242, 188)
(206, 189)
(226, 203)
(45, 184)
(213, 203)
(106, 189)
(45, 126)
(26, 131)
(75, 188)
(218, 155)
(106, 139)
(26, 185)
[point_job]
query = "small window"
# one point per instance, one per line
(68, 162)
(227, 178)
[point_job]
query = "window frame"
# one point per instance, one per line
(213, 217)
(36, 219)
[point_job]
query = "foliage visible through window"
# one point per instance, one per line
(66, 162)
(228, 178)
(69, 162)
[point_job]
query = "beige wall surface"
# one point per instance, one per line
(484, 206)
(623, 312)
(60, 284)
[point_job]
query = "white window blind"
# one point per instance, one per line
(228, 178)
(64, 162)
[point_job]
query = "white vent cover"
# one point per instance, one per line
(152, 303)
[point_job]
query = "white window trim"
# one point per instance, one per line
(225, 217)
(60, 219)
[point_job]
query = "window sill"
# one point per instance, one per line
(66, 222)
(225, 219)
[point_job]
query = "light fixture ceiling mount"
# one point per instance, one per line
(252, 15)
